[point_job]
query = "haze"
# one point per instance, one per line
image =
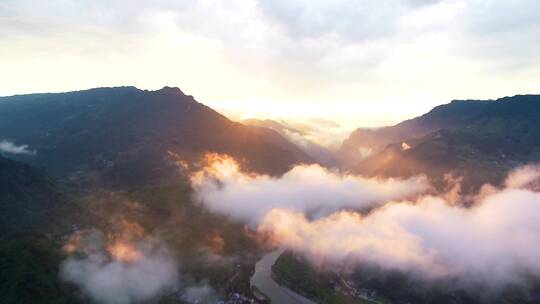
(360, 63)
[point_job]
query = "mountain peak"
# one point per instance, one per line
(171, 90)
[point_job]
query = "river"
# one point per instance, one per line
(262, 279)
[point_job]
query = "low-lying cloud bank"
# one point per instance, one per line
(497, 240)
(119, 271)
(311, 190)
(9, 147)
(200, 294)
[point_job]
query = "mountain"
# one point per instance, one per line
(372, 285)
(29, 200)
(67, 150)
(37, 217)
(126, 136)
(477, 140)
(456, 114)
(33, 208)
(29, 264)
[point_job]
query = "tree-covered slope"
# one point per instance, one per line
(128, 133)
(501, 136)
(29, 200)
(457, 114)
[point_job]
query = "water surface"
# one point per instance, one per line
(262, 279)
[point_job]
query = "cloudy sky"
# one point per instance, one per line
(359, 62)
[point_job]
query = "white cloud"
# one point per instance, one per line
(315, 213)
(118, 282)
(523, 176)
(200, 294)
(494, 242)
(119, 272)
(9, 147)
(313, 190)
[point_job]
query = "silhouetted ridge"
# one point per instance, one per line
(128, 136)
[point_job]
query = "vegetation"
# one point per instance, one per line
(111, 155)
(29, 270)
(31, 201)
(479, 141)
(399, 287)
(391, 286)
(296, 273)
(126, 138)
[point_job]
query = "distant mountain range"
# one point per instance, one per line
(300, 137)
(127, 137)
(477, 140)
(123, 136)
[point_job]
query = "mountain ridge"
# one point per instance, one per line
(479, 141)
(131, 132)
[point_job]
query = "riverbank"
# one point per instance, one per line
(262, 280)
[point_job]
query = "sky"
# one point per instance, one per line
(357, 62)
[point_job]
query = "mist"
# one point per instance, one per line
(7, 146)
(203, 293)
(310, 189)
(495, 241)
(119, 273)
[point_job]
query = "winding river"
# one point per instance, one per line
(262, 279)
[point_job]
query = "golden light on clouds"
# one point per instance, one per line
(124, 252)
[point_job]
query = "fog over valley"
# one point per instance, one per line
(269, 152)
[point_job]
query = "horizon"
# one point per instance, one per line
(343, 127)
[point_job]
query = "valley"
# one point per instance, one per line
(141, 168)
(269, 152)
